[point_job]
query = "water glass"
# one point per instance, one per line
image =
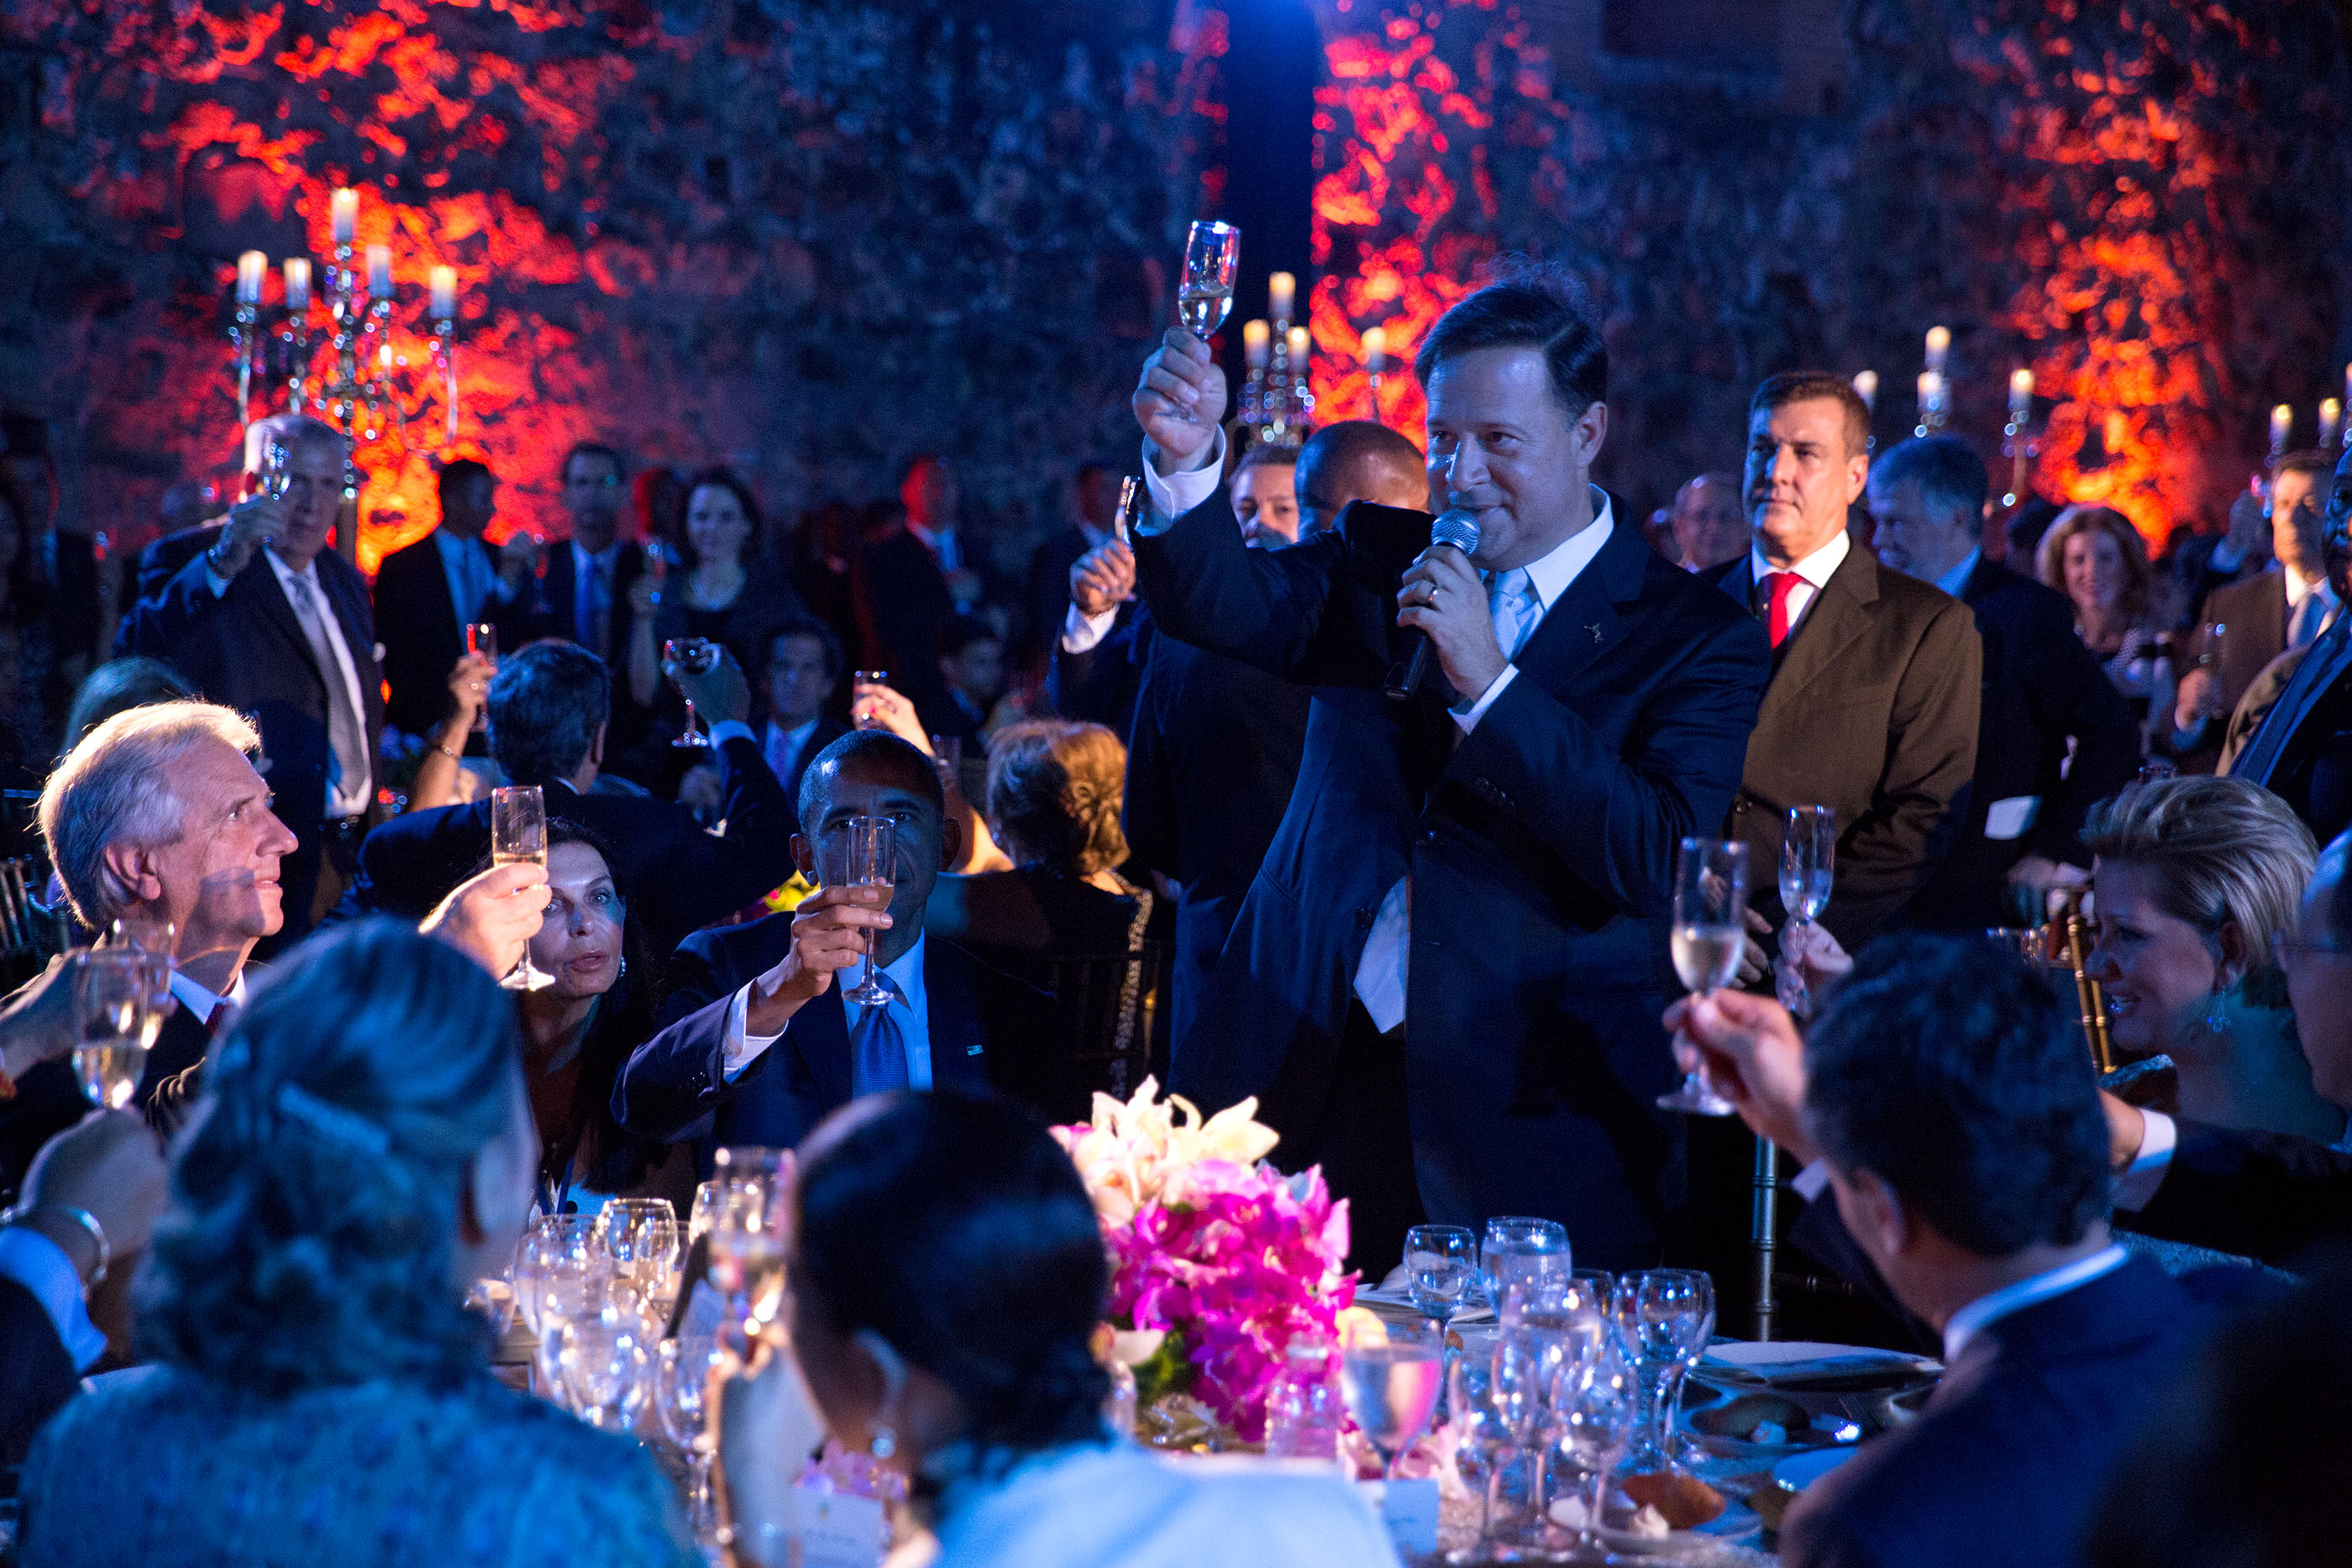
(1596, 1401)
(683, 1371)
(606, 1375)
(1440, 1266)
(1667, 1315)
(1709, 932)
(519, 837)
(1599, 1287)
(643, 1238)
(1390, 1390)
(1523, 1250)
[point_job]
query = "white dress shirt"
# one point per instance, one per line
(1812, 574)
(345, 796)
(1381, 971)
(48, 1276)
(913, 1012)
(1955, 579)
(201, 1002)
(1965, 1324)
(2157, 1139)
(2310, 606)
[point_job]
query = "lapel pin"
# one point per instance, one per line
(1595, 630)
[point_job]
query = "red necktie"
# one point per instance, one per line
(1780, 585)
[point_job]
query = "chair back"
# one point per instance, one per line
(1111, 1023)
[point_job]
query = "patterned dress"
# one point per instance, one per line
(162, 1467)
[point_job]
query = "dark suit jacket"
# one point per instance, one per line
(558, 591)
(911, 602)
(1048, 597)
(2011, 1456)
(2253, 613)
(674, 1087)
(1872, 710)
(1101, 685)
(174, 1074)
(2040, 687)
(246, 650)
(36, 1375)
(675, 877)
(828, 730)
(1541, 848)
(2312, 770)
(1210, 767)
(422, 638)
(2260, 1195)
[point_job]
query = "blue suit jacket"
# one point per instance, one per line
(1541, 848)
(674, 1087)
(2013, 1451)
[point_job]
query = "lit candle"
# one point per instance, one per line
(1931, 390)
(380, 271)
(345, 213)
(2020, 393)
(1376, 350)
(1865, 387)
(445, 293)
(249, 268)
(383, 356)
(1281, 293)
(1256, 344)
(2282, 426)
(1298, 349)
(297, 283)
(1939, 344)
(2331, 416)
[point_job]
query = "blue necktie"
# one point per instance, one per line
(877, 1048)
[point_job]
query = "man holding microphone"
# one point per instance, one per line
(1445, 979)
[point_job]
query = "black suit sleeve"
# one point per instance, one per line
(1207, 588)
(36, 1375)
(670, 1084)
(1887, 854)
(1148, 811)
(754, 856)
(2070, 695)
(174, 601)
(2262, 1194)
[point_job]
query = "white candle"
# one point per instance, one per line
(2331, 417)
(1931, 390)
(1299, 347)
(2282, 426)
(1939, 344)
(2020, 392)
(380, 271)
(249, 268)
(297, 283)
(1865, 387)
(1281, 294)
(445, 293)
(1376, 349)
(343, 210)
(1256, 344)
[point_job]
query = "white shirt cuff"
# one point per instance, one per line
(1477, 710)
(1808, 1183)
(2146, 1174)
(1081, 633)
(1173, 495)
(743, 1048)
(727, 729)
(41, 1266)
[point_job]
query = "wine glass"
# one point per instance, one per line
(1205, 295)
(1441, 1269)
(860, 682)
(863, 852)
(1667, 1315)
(116, 1020)
(482, 638)
(1596, 1403)
(1389, 1390)
(277, 470)
(1600, 1288)
(607, 1375)
(695, 656)
(519, 837)
(1808, 864)
(1521, 1251)
(642, 1235)
(1710, 900)
(683, 1369)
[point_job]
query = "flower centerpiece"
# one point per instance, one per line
(1211, 1247)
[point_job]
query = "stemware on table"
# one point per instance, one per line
(683, 1369)
(643, 1237)
(1708, 936)
(1521, 1250)
(1668, 1316)
(1391, 1389)
(746, 1238)
(1441, 1271)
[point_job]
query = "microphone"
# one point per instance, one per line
(1456, 529)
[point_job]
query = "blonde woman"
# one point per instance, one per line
(2095, 558)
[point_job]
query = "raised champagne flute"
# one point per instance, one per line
(1808, 867)
(695, 656)
(519, 837)
(865, 853)
(1205, 295)
(860, 682)
(1710, 906)
(116, 1018)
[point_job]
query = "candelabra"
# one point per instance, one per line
(2017, 440)
(1276, 415)
(1302, 397)
(1254, 357)
(1376, 365)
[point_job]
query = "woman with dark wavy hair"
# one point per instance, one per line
(731, 591)
(363, 1150)
(947, 1274)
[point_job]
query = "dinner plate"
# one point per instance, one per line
(1736, 1526)
(1813, 1366)
(1800, 1471)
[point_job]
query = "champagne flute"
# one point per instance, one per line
(1710, 900)
(746, 1234)
(863, 853)
(519, 837)
(277, 470)
(1389, 1390)
(1205, 295)
(695, 656)
(1808, 867)
(116, 1020)
(860, 682)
